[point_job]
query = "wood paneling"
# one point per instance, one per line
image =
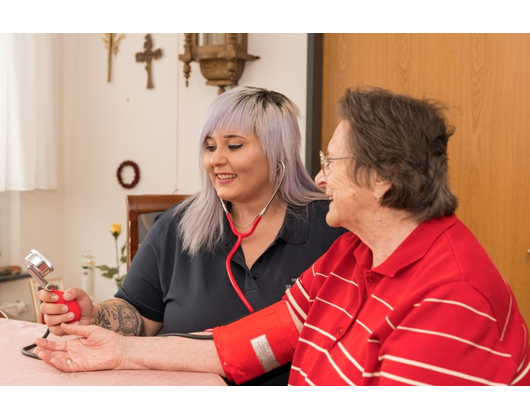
(484, 79)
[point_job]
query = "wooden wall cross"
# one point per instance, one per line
(146, 57)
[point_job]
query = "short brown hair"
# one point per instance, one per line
(404, 140)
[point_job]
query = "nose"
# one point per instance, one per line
(217, 158)
(320, 179)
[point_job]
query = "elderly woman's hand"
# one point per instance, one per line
(95, 349)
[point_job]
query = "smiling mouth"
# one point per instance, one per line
(225, 176)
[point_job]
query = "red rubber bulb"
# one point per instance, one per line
(73, 306)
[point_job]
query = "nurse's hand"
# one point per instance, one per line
(96, 349)
(55, 314)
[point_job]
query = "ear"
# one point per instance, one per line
(380, 185)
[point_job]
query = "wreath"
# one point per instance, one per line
(136, 169)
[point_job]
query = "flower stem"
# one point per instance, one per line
(117, 260)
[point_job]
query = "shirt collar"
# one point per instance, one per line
(295, 228)
(412, 249)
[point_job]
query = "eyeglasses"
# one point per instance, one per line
(325, 161)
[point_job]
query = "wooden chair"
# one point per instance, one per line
(141, 213)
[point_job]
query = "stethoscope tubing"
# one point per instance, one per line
(240, 236)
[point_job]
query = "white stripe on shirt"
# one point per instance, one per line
(383, 302)
(507, 319)
(454, 337)
(304, 375)
(343, 279)
(350, 357)
(403, 380)
(521, 375)
(454, 302)
(436, 369)
(295, 305)
(335, 306)
(331, 361)
(321, 331)
(363, 325)
(303, 291)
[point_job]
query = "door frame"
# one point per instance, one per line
(315, 44)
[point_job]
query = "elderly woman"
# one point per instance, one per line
(408, 296)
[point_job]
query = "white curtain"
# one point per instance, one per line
(28, 140)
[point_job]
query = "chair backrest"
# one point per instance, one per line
(141, 213)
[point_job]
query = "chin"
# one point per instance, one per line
(332, 221)
(224, 193)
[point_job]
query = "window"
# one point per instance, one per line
(28, 95)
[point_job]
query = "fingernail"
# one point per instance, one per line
(67, 296)
(71, 315)
(64, 309)
(55, 298)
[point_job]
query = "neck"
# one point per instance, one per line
(387, 231)
(244, 215)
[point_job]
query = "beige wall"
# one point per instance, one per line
(103, 124)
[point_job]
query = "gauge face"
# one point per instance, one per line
(39, 263)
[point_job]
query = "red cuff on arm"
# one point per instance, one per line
(257, 343)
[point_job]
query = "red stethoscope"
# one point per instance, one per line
(240, 236)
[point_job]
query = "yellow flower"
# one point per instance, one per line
(115, 229)
(114, 272)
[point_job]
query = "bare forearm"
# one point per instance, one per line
(171, 353)
(119, 316)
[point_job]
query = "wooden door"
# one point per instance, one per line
(485, 80)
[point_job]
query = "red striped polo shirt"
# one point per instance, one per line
(436, 312)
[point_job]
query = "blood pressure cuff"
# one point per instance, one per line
(257, 343)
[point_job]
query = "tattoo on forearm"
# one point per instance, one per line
(120, 316)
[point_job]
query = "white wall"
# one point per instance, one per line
(103, 124)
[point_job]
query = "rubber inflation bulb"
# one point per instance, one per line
(73, 306)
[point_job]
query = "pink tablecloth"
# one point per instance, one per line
(17, 369)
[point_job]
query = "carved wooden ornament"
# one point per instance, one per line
(147, 56)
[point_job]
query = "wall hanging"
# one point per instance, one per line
(112, 44)
(221, 57)
(147, 56)
(119, 174)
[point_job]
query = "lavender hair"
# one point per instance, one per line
(273, 118)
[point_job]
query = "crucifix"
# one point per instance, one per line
(146, 57)
(112, 43)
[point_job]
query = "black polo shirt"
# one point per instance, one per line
(192, 294)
